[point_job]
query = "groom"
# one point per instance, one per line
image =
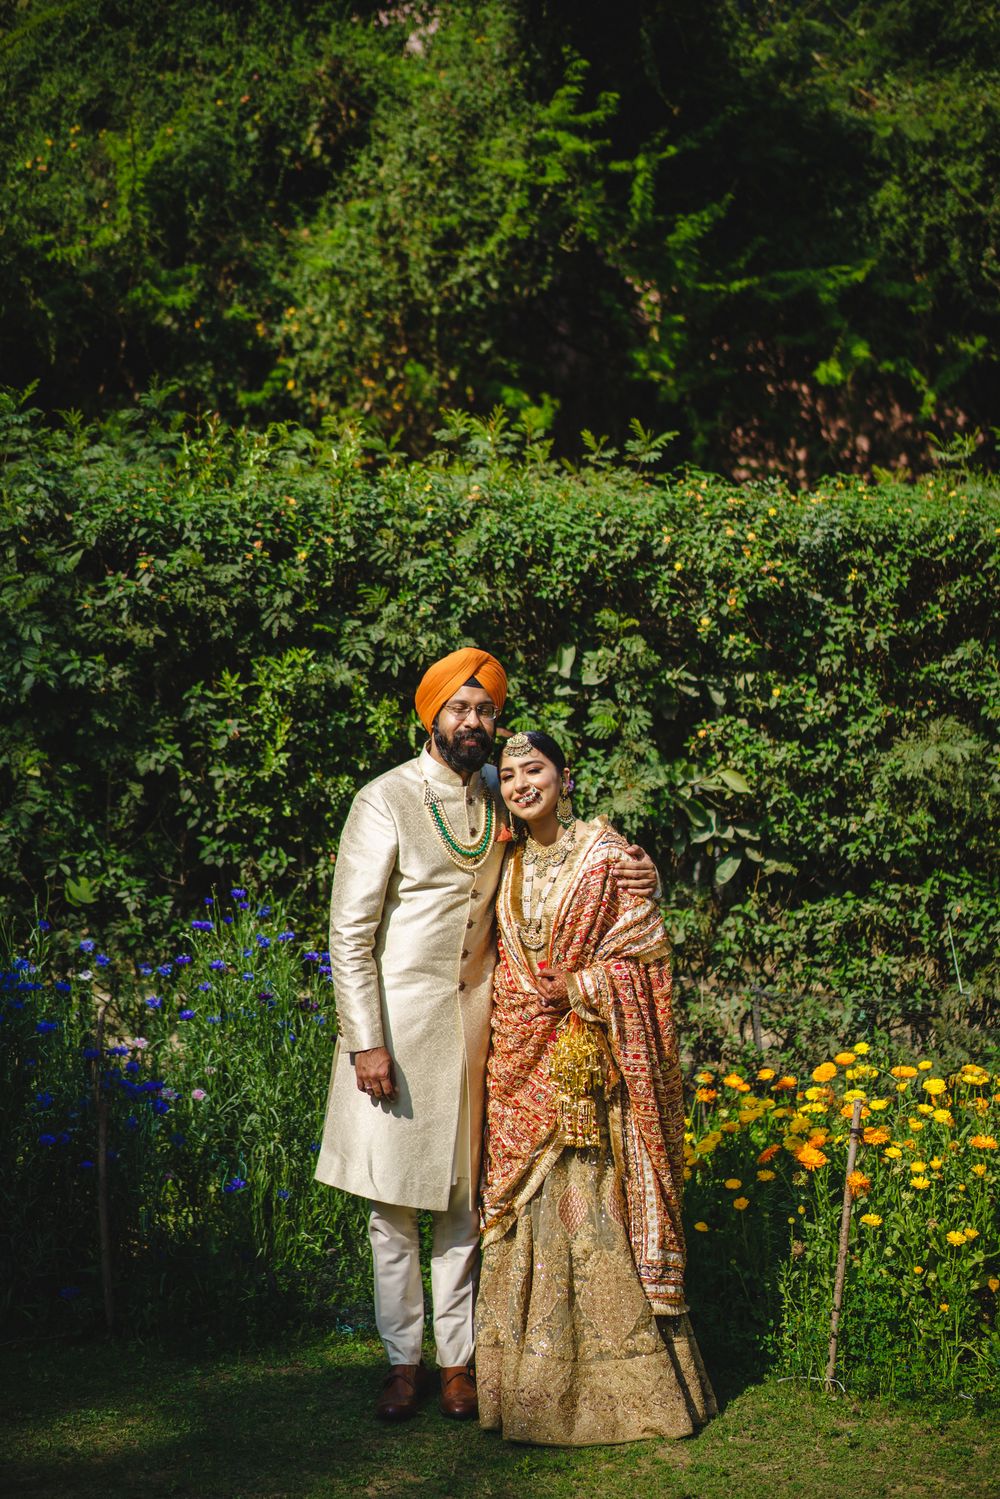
(412, 953)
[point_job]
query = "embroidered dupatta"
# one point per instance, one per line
(614, 947)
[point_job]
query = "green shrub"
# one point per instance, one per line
(210, 638)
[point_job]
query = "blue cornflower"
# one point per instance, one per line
(46, 1139)
(159, 1106)
(46, 1027)
(217, 965)
(154, 1002)
(247, 951)
(205, 987)
(209, 900)
(228, 920)
(284, 1194)
(86, 1166)
(237, 893)
(213, 1019)
(166, 969)
(102, 960)
(234, 1184)
(44, 1100)
(203, 926)
(314, 1147)
(248, 976)
(20, 965)
(61, 987)
(244, 905)
(88, 944)
(286, 936)
(320, 1019)
(182, 959)
(145, 969)
(132, 1068)
(263, 910)
(325, 968)
(62, 1138)
(44, 926)
(310, 957)
(91, 1053)
(69, 1293)
(263, 941)
(186, 1015)
(178, 1139)
(118, 1051)
(131, 1122)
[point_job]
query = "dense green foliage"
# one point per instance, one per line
(211, 639)
(771, 226)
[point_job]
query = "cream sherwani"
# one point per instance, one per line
(412, 951)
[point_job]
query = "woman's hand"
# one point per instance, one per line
(551, 985)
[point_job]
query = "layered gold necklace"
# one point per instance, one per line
(539, 860)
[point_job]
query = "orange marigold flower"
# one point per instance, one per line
(785, 1083)
(810, 1157)
(706, 1095)
(902, 1072)
(824, 1072)
(733, 1080)
(983, 1142)
(768, 1154)
(858, 1183)
(844, 1058)
(765, 1074)
(876, 1134)
(739, 1203)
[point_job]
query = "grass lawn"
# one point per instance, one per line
(292, 1419)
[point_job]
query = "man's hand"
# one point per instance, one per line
(637, 872)
(551, 985)
(375, 1073)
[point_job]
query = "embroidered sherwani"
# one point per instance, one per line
(412, 953)
(583, 1244)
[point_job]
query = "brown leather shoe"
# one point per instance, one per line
(458, 1393)
(402, 1389)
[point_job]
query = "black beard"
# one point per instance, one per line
(467, 750)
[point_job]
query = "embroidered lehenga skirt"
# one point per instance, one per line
(568, 1351)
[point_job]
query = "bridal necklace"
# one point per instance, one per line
(540, 860)
(465, 855)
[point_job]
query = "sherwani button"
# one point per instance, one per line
(465, 952)
(461, 985)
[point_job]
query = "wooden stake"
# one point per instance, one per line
(103, 1203)
(845, 1229)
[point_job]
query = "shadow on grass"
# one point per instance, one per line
(98, 1420)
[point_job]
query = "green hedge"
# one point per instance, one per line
(211, 637)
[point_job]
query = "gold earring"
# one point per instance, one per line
(564, 808)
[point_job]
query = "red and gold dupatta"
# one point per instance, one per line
(614, 947)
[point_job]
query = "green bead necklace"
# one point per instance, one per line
(465, 855)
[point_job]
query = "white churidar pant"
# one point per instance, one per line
(399, 1292)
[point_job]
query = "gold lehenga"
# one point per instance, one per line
(582, 1329)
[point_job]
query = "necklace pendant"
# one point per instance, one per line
(532, 936)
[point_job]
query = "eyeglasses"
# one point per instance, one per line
(486, 711)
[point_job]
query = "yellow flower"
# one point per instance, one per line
(862, 1048)
(765, 1176)
(902, 1071)
(936, 1163)
(918, 1165)
(810, 1157)
(872, 1219)
(703, 1077)
(979, 1169)
(733, 1080)
(943, 1307)
(955, 1236)
(916, 1124)
(844, 1058)
(730, 1128)
(934, 1085)
(983, 1142)
(901, 1087)
(971, 1233)
(893, 1152)
(853, 1094)
(923, 1066)
(943, 1116)
(993, 1284)
(701, 1228)
(732, 1184)
(878, 1104)
(920, 1182)
(858, 1183)
(918, 1269)
(765, 1074)
(705, 1095)
(824, 1072)
(876, 1134)
(924, 1108)
(739, 1203)
(977, 1076)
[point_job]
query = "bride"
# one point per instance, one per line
(582, 1328)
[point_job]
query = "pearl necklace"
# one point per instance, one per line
(538, 858)
(465, 855)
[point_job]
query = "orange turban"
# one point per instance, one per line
(440, 681)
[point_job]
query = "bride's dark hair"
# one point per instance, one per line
(548, 747)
